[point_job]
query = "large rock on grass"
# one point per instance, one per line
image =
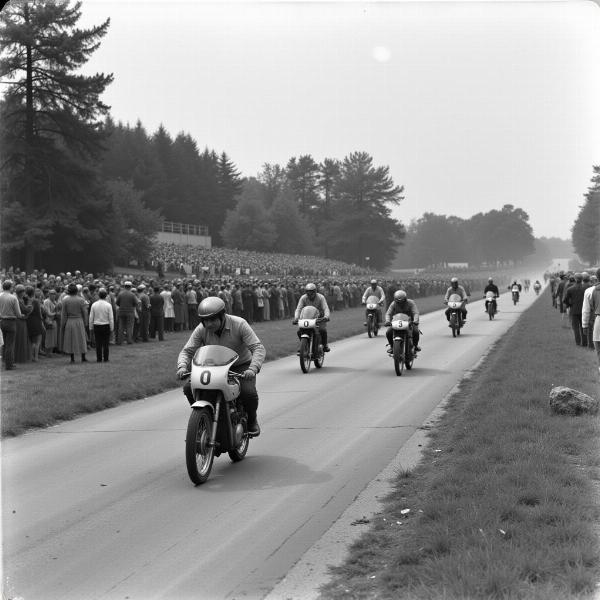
(567, 401)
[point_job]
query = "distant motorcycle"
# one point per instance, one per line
(537, 286)
(402, 344)
(515, 294)
(372, 316)
(218, 422)
(311, 348)
(490, 304)
(455, 304)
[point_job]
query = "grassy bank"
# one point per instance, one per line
(505, 503)
(52, 390)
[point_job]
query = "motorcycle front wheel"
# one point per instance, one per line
(199, 452)
(370, 332)
(398, 353)
(453, 324)
(305, 355)
(490, 310)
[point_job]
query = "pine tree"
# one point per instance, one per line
(51, 130)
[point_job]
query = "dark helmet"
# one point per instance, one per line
(400, 296)
(310, 289)
(211, 307)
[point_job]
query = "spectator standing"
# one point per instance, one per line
(591, 312)
(178, 299)
(10, 312)
(573, 300)
(73, 324)
(157, 315)
(50, 308)
(22, 344)
(144, 312)
(35, 322)
(168, 308)
(238, 303)
(102, 323)
(126, 304)
(192, 305)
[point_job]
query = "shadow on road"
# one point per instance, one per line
(260, 472)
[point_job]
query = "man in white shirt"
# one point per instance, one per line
(102, 323)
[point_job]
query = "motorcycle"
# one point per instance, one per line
(455, 304)
(515, 294)
(490, 304)
(537, 286)
(402, 344)
(372, 316)
(218, 422)
(311, 348)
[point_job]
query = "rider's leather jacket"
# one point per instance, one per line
(408, 307)
(492, 287)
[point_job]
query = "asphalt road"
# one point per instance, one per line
(102, 507)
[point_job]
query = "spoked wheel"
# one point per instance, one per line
(319, 355)
(199, 453)
(491, 311)
(398, 353)
(370, 331)
(305, 355)
(239, 452)
(453, 324)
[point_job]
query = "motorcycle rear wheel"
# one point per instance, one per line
(398, 353)
(199, 453)
(305, 355)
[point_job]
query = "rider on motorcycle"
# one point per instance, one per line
(402, 304)
(374, 290)
(218, 327)
(455, 288)
(312, 298)
(491, 287)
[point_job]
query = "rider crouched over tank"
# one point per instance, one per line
(402, 304)
(312, 298)
(219, 328)
(455, 288)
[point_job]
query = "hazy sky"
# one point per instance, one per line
(472, 105)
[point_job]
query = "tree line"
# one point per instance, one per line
(79, 188)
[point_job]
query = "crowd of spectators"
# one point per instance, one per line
(576, 295)
(147, 307)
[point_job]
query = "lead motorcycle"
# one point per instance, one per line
(402, 344)
(455, 304)
(218, 422)
(311, 348)
(372, 316)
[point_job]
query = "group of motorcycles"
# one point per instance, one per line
(219, 424)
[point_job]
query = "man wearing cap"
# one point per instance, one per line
(9, 313)
(127, 303)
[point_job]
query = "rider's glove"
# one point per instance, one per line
(295, 322)
(249, 374)
(182, 373)
(387, 323)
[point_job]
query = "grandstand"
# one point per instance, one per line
(184, 234)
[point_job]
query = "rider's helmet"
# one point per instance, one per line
(311, 290)
(211, 307)
(400, 296)
(490, 280)
(373, 283)
(454, 282)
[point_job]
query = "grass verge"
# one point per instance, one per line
(505, 502)
(52, 390)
